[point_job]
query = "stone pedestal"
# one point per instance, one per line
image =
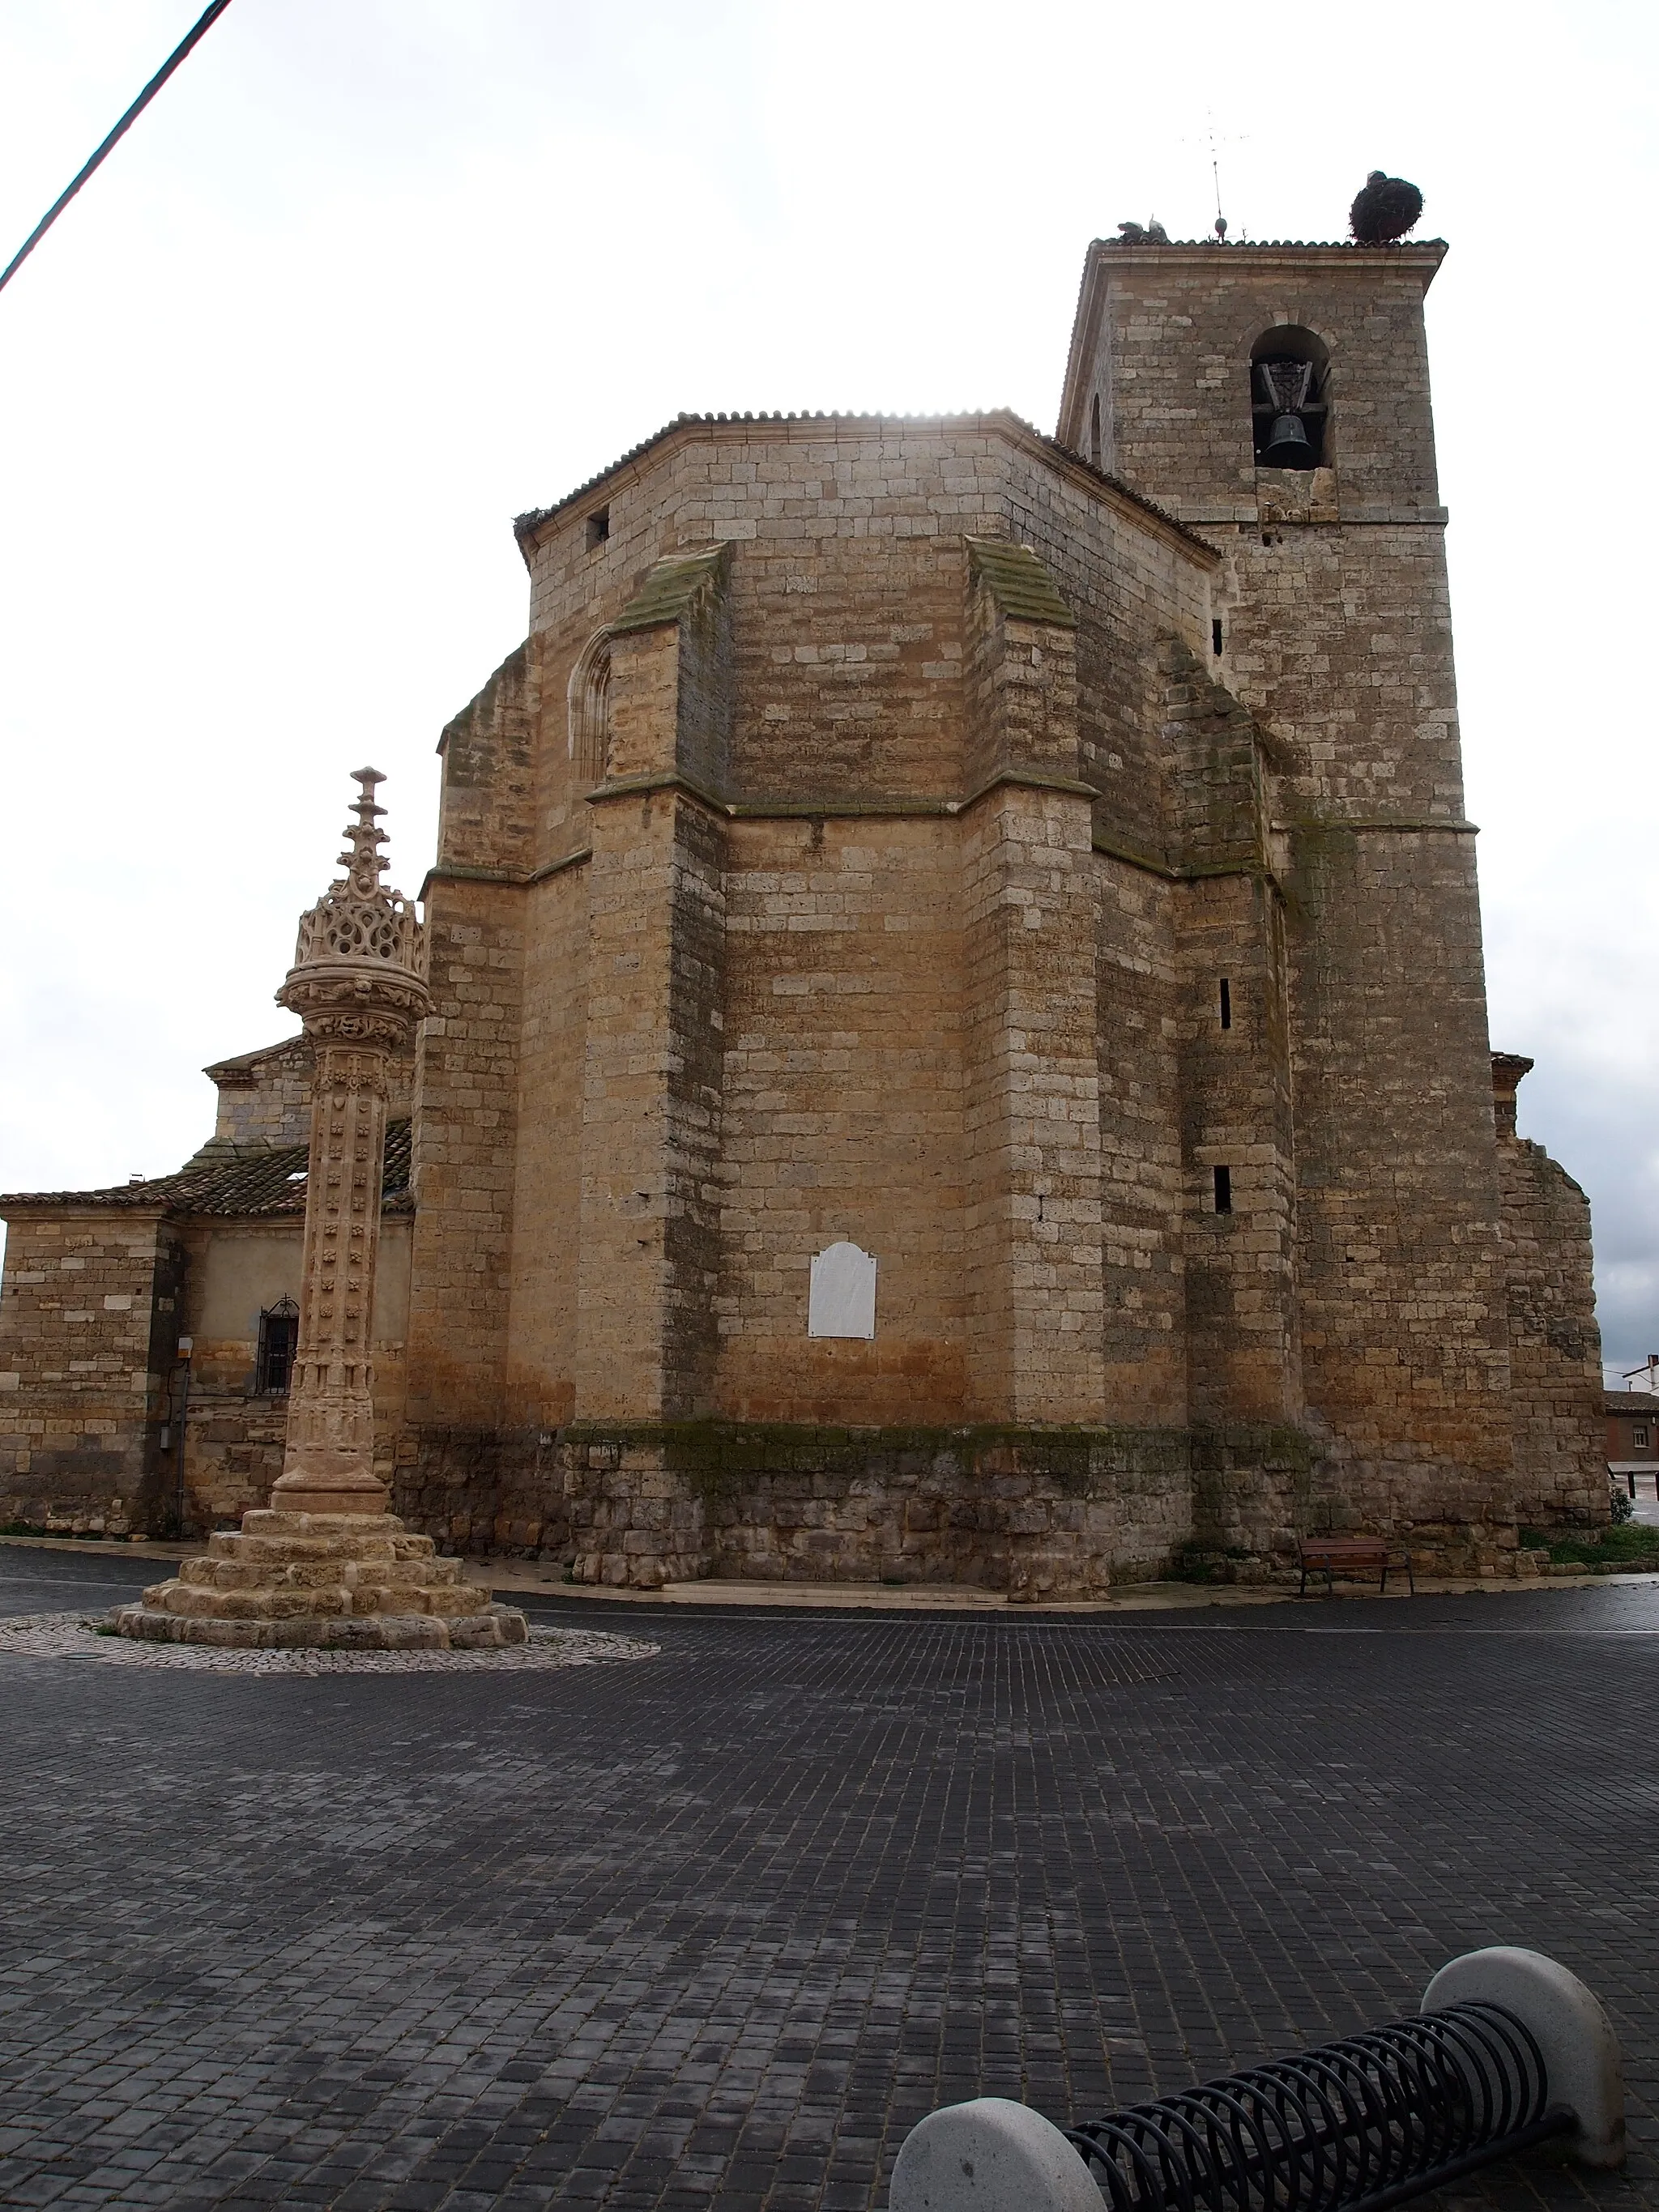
(360, 1580)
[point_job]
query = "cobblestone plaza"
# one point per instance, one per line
(719, 1926)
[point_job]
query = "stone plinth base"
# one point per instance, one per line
(353, 1581)
(381, 1631)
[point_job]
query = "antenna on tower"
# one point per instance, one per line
(1215, 141)
(1215, 172)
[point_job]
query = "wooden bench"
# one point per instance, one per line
(1348, 1555)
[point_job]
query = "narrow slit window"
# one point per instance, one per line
(1224, 1190)
(1094, 429)
(1227, 1004)
(1215, 634)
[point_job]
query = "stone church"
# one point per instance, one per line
(958, 1047)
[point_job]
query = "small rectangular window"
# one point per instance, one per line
(598, 527)
(1224, 1190)
(1215, 634)
(1639, 1437)
(1227, 1004)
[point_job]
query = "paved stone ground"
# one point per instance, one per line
(719, 1926)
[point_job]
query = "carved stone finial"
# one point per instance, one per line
(363, 861)
(361, 948)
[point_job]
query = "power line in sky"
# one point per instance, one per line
(191, 38)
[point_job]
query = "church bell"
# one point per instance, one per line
(1288, 445)
(1286, 390)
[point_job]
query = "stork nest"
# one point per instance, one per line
(1385, 209)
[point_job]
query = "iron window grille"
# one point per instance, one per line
(279, 1340)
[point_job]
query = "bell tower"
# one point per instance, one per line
(1178, 348)
(1275, 399)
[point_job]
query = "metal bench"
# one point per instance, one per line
(1351, 1555)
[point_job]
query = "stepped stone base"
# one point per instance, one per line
(351, 1581)
(385, 1632)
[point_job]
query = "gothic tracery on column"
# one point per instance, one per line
(358, 982)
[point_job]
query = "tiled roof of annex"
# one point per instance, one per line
(244, 1181)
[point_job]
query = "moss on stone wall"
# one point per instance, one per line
(718, 1458)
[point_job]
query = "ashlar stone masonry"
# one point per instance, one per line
(1038, 864)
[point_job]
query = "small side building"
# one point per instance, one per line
(1632, 1428)
(157, 1303)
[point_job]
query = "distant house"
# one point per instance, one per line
(1632, 1427)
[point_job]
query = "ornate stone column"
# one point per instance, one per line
(326, 1563)
(358, 983)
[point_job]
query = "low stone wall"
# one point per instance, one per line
(480, 1490)
(1039, 1513)
(233, 1454)
(1254, 1489)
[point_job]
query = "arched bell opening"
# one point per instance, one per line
(1289, 411)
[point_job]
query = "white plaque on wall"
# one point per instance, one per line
(842, 1298)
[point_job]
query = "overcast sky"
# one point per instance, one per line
(372, 276)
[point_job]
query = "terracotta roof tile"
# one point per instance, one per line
(264, 1181)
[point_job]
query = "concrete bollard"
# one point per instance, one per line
(990, 2155)
(1581, 2053)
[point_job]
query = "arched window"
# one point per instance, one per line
(1289, 411)
(1094, 429)
(589, 699)
(279, 1340)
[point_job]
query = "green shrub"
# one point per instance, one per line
(1632, 1544)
